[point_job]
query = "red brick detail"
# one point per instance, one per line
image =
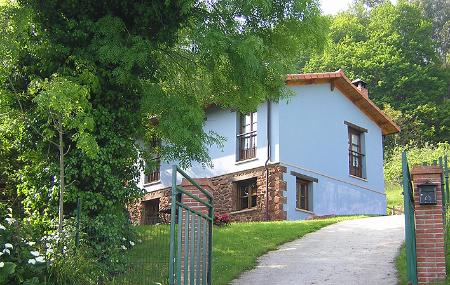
(429, 228)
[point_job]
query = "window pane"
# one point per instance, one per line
(246, 191)
(244, 203)
(253, 201)
(355, 139)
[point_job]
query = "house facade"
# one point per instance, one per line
(318, 152)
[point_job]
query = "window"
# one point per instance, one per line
(303, 194)
(246, 137)
(154, 174)
(355, 151)
(246, 194)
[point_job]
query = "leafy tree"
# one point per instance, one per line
(119, 72)
(66, 107)
(391, 47)
(438, 11)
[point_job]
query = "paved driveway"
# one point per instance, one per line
(351, 252)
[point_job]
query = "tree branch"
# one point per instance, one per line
(26, 118)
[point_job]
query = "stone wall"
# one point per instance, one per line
(137, 212)
(225, 196)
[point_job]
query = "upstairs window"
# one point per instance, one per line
(246, 194)
(246, 137)
(356, 151)
(155, 163)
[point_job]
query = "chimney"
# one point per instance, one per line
(361, 86)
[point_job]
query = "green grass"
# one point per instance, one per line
(394, 196)
(400, 264)
(235, 249)
(147, 261)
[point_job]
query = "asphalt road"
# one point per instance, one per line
(351, 252)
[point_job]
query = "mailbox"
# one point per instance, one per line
(427, 194)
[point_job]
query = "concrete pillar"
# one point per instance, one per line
(429, 227)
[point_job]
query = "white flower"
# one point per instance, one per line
(2, 227)
(49, 250)
(131, 243)
(1, 253)
(124, 239)
(2, 264)
(6, 251)
(124, 247)
(31, 243)
(8, 245)
(34, 253)
(10, 220)
(32, 261)
(40, 259)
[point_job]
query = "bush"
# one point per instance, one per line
(221, 220)
(30, 258)
(416, 156)
(22, 259)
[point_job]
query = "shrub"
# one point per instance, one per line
(22, 259)
(221, 220)
(416, 156)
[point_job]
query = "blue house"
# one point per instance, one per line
(318, 152)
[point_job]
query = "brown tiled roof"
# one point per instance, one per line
(340, 81)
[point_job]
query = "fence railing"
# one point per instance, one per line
(410, 232)
(443, 162)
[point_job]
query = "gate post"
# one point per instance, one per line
(429, 226)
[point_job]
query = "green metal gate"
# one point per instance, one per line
(410, 227)
(190, 234)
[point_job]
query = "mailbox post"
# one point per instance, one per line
(429, 224)
(427, 194)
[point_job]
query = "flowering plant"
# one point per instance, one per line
(20, 259)
(221, 220)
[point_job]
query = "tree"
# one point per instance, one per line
(391, 47)
(438, 11)
(150, 68)
(65, 107)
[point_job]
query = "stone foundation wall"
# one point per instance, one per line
(224, 192)
(136, 210)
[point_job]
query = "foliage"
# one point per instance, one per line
(221, 220)
(113, 76)
(21, 261)
(416, 156)
(394, 197)
(439, 13)
(391, 47)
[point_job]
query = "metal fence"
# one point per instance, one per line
(410, 231)
(148, 261)
(446, 209)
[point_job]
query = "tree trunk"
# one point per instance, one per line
(61, 180)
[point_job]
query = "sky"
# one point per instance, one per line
(332, 7)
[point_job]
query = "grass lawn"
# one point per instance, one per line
(235, 249)
(394, 196)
